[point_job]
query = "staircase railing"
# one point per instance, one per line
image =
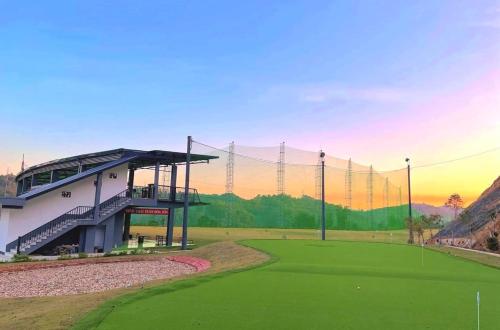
(113, 202)
(87, 212)
(47, 229)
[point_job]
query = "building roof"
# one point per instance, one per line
(77, 177)
(165, 158)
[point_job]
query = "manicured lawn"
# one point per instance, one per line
(221, 234)
(320, 285)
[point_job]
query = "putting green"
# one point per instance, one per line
(320, 285)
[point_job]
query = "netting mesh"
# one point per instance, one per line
(280, 187)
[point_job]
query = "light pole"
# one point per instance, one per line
(410, 219)
(323, 216)
(186, 195)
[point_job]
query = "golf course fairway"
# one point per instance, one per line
(319, 285)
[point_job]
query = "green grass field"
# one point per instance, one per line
(319, 285)
(236, 234)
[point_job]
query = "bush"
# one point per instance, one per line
(82, 255)
(139, 251)
(107, 254)
(492, 243)
(21, 258)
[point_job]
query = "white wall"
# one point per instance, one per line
(111, 187)
(49, 206)
(4, 227)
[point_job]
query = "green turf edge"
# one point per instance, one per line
(448, 253)
(93, 319)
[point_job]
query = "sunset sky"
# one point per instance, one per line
(376, 81)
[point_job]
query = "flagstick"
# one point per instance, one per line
(478, 299)
(422, 254)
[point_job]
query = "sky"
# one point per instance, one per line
(376, 81)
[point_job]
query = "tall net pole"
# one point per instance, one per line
(230, 169)
(411, 239)
(386, 199)
(281, 180)
(369, 188)
(348, 191)
(348, 185)
(186, 193)
(400, 203)
(281, 170)
(323, 210)
(317, 190)
(229, 183)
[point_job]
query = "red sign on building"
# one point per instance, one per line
(146, 211)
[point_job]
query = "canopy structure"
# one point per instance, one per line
(48, 176)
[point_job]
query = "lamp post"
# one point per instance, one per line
(186, 195)
(323, 216)
(410, 219)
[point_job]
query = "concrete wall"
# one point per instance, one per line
(107, 235)
(4, 227)
(49, 206)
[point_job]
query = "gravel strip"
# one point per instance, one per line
(88, 278)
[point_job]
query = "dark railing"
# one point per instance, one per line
(166, 193)
(143, 191)
(78, 213)
(114, 202)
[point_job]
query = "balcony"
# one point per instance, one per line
(166, 194)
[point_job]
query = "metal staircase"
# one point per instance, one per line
(81, 215)
(88, 215)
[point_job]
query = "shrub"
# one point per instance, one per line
(139, 251)
(21, 258)
(82, 255)
(492, 243)
(108, 254)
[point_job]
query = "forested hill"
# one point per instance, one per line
(11, 185)
(281, 212)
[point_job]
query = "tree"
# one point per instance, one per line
(418, 227)
(455, 202)
(410, 224)
(433, 220)
(427, 223)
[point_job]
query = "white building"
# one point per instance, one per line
(86, 200)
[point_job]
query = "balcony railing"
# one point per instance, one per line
(145, 192)
(166, 193)
(178, 194)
